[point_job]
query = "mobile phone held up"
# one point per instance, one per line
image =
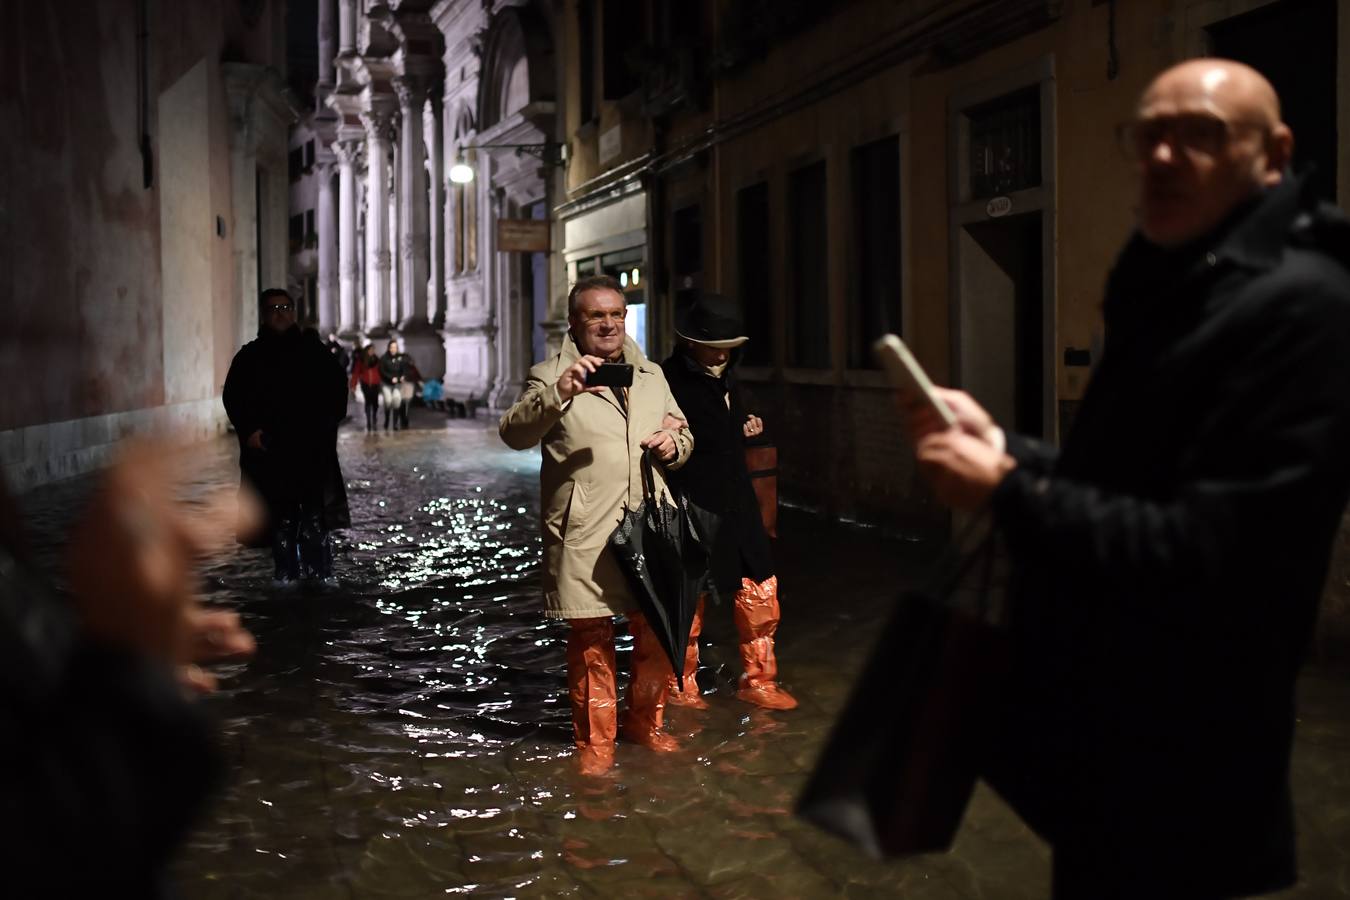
(611, 375)
(907, 375)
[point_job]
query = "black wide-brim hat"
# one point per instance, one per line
(711, 320)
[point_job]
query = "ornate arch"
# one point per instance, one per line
(518, 64)
(464, 123)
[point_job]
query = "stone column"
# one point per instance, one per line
(362, 253)
(504, 298)
(349, 255)
(394, 314)
(451, 231)
(414, 259)
(377, 124)
(329, 320)
(436, 204)
(327, 50)
(346, 27)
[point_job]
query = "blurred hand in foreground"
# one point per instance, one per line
(133, 563)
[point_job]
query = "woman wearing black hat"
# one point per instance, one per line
(702, 380)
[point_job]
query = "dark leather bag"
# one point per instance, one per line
(901, 764)
(762, 462)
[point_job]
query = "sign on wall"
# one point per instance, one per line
(523, 235)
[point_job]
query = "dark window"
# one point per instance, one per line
(680, 23)
(297, 232)
(1005, 144)
(874, 279)
(624, 27)
(1304, 80)
(309, 154)
(808, 280)
(586, 58)
(754, 272)
(587, 267)
(295, 163)
(309, 223)
(687, 254)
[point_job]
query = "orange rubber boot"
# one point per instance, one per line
(756, 613)
(595, 698)
(690, 696)
(647, 689)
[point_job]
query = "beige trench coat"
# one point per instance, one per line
(591, 471)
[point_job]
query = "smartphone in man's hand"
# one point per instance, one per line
(611, 375)
(907, 375)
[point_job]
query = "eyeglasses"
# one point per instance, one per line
(280, 307)
(1196, 135)
(595, 317)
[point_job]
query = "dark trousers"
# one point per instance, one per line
(301, 546)
(371, 394)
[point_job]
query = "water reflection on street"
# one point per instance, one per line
(407, 734)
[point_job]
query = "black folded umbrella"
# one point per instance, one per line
(665, 557)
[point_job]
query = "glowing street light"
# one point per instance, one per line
(461, 172)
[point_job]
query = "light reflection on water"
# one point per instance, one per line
(408, 734)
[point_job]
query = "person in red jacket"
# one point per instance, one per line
(366, 372)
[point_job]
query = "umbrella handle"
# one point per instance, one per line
(648, 478)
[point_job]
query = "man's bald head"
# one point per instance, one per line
(1208, 137)
(1230, 90)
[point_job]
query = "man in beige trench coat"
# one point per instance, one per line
(592, 442)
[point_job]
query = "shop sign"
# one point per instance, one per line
(523, 235)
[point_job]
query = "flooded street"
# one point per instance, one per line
(407, 734)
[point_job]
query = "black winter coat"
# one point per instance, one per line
(1169, 561)
(715, 477)
(290, 386)
(394, 367)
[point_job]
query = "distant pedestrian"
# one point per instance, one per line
(339, 352)
(366, 373)
(394, 372)
(433, 393)
(285, 395)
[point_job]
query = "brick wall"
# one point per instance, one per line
(841, 452)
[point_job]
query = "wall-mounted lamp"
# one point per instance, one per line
(550, 152)
(461, 172)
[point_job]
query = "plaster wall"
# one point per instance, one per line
(121, 298)
(80, 247)
(188, 233)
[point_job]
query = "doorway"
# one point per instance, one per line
(1000, 266)
(1305, 80)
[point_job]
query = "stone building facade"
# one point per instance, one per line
(500, 118)
(406, 91)
(144, 202)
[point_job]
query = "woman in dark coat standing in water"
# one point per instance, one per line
(285, 395)
(702, 379)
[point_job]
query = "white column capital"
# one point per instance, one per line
(412, 92)
(379, 124)
(348, 152)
